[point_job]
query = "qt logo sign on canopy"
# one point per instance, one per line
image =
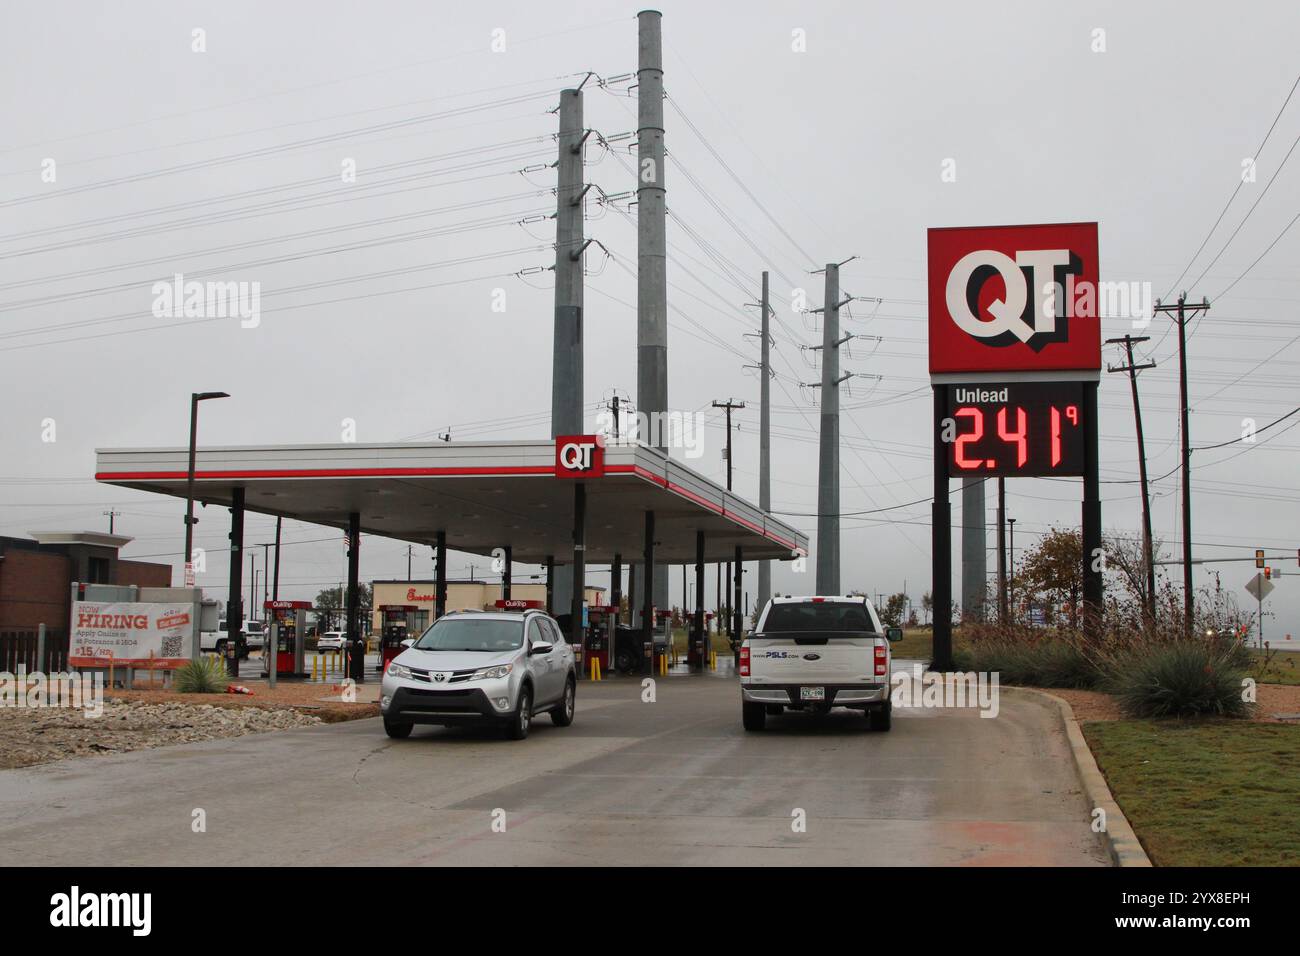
(579, 456)
(1014, 298)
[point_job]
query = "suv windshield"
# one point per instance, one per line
(850, 616)
(472, 634)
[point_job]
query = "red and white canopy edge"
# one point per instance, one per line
(484, 495)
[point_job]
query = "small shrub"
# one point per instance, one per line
(1063, 663)
(204, 676)
(1182, 679)
(1047, 662)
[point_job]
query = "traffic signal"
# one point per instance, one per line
(1259, 557)
(1268, 573)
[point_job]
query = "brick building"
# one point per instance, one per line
(36, 576)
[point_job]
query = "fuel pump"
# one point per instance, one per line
(397, 623)
(662, 636)
(600, 634)
(287, 638)
(698, 655)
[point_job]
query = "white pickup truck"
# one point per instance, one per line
(251, 635)
(814, 653)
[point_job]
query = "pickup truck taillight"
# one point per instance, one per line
(882, 664)
(744, 662)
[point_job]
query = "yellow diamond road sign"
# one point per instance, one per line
(1259, 587)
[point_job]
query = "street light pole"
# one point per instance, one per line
(195, 398)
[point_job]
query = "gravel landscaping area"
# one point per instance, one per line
(34, 736)
(323, 700)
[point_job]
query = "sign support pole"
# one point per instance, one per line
(1093, 557)
(941, 541)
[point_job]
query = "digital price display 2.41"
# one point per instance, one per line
(1025, 429)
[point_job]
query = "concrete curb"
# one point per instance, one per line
(1121, 842)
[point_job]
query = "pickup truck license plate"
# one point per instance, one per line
(812, 693)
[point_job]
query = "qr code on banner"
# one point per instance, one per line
(172, 646)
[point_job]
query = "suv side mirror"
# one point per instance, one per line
(894, 633)
(408, 642)
(540, 647)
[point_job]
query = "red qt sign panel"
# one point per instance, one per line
(1014, 299)
(580, 456)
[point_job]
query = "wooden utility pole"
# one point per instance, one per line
(1148, 558)
(1002, 552)
(1181, 316)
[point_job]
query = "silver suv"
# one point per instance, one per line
(475, 667)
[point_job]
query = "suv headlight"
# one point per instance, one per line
(398, 670)
(493, 673)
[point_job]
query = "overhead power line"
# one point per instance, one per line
(270, 150)
(1240, 182)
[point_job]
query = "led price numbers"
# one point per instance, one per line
(1022, 428)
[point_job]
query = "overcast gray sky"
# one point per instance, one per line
(842, 144)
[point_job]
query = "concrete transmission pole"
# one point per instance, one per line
(828, 472)
(651, 246)
(765, 440)
(566, 365)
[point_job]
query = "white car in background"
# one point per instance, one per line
(814, 653)
(216, 641)
(255, 634)
(331, 641)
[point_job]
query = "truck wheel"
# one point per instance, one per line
(754, 716)
(562, 715)
(517, 729)
(881, 717)
(398, 731)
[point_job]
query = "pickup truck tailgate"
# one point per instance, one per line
(807, 659)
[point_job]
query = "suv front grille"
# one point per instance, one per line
(456, 677)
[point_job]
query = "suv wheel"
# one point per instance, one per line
(396, 730)
(880, 718)
(517, 729)
(754, 716)
(562, 715)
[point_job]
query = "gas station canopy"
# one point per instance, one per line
(483, 495)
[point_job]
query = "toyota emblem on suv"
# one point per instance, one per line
(439, 677)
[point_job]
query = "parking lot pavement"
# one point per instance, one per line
(677, 781)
